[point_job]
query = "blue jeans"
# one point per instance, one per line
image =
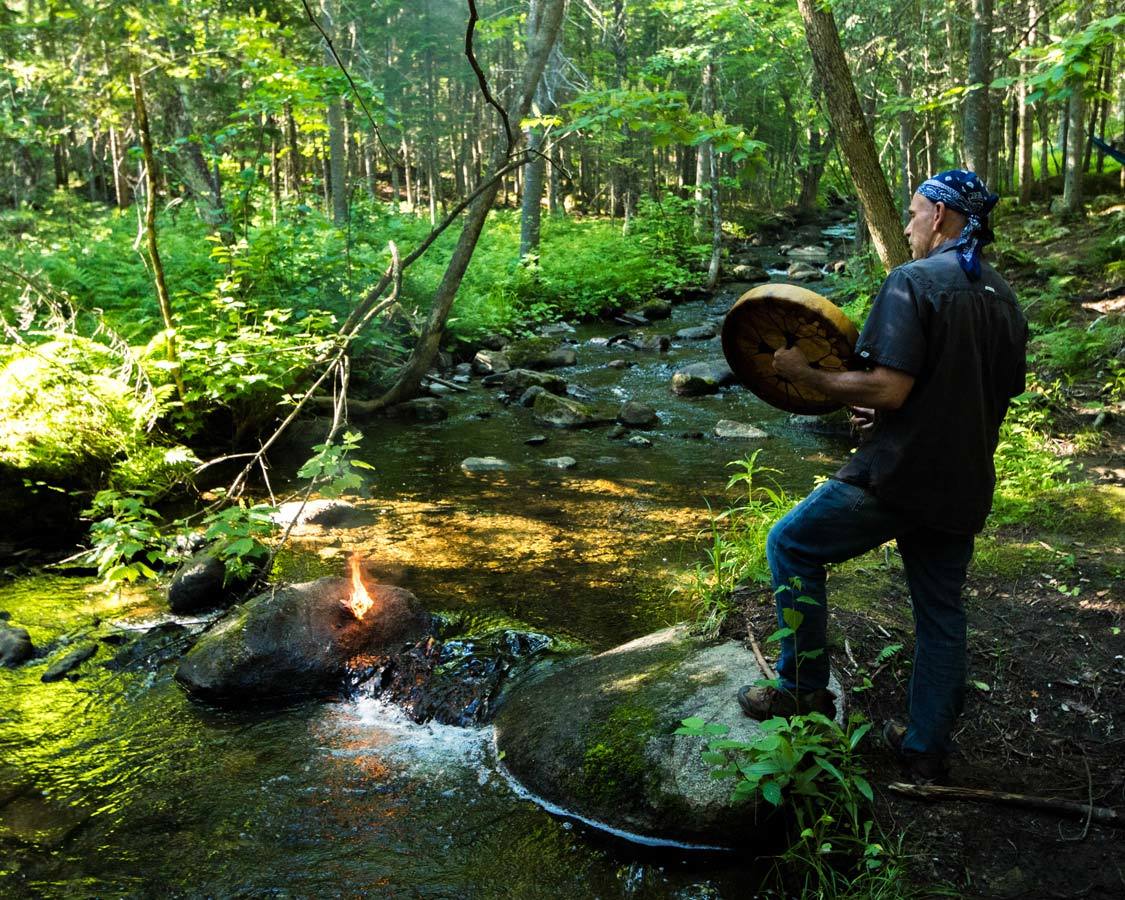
(836, 522)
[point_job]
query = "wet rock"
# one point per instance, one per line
(68, 662)
(702, 332)
(620, 364)
(810, 254)
(804, 272)
(152, 649)
(655, 310)
(494, 342)
(657, 342)
(326, 512)
(200, 583)
(517, 381)
(742, 431)
(527, 398)
(578, 393)
(631, 318)
(839, 267)
(298, 640)
(540, 354)
(455, 680)
(461, 379)
(561, 462)
(617, 432)
(832, 425)
(596, 738)
(462, 370)
(420, 409)
(637, 415)
(474, 464)
(556, 329)
(557, 359)
(639, 440)
(15, 645)
(438, 390)
(562, 412)
(748, 272)
(536, 439)
(692, 435)
(488, 361)
(702, 378)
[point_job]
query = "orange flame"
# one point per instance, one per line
(360, 601)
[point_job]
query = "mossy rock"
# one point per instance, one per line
(596, 738)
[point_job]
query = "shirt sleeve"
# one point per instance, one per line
(893, 335)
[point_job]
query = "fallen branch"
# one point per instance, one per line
(1070, 808)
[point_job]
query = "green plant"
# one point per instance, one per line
(126, 540)
(237, 534)
(737, 551)
(809, 766)
(330, 469)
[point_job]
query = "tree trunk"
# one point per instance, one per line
(150, 231)
(539, 45)
(1027, 119)
(1076, 139)
(977, 103)
(293, 170)
(854, 137)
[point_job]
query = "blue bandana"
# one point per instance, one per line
(965, 193)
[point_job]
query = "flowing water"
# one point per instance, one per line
(115, 784)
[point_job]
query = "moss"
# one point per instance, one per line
(614, 767)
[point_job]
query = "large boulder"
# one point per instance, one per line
(293, 641)
(749, 272)
(655, 309)
(702, 378)
(596, 738)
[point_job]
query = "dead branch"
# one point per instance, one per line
(1102, 815)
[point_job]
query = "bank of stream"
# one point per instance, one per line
(114, 783)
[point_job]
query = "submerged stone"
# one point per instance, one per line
(420, 409)
(741, 431)
(596, 738)
(297, 640)
(474, 464)
(562, 412)
(561, 462)
(15, 645)
(67, 663)
(637, 415)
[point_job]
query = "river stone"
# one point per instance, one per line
(620, 364)
(812, 254)
(727, 428)
(473, 464)
(298, 640)
(703, 332)
(199, 584)
(561, 462)
(516, 381)
(639, 440)
(833, 425)
(420, 409)
(702, 378)
(655, 310)
(562, 412)
(488, 361)
(152, 649)
(15, 645)
(596, 738)
(535, 440)
(326, 512)
(637, 415)
(494, 342)
(65, 664)
(527, 398)
(800, 271)
(657, 342)
(749, 272)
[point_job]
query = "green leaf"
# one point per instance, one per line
(772, 792)
(864, 787)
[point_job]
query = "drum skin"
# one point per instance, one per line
(772, 316)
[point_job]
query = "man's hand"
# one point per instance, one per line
(790, 364)
(862, 419)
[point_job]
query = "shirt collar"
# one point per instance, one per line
(944, 247)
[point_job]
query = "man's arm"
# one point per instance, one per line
(880, 388)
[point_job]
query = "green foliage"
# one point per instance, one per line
(331, 471)
(855, 290)
(1074, 351)
(238, 534)
(737, 551)
(126, 537)
(809, 765)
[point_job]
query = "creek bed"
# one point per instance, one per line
(117, 784)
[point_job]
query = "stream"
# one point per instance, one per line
(115, 784)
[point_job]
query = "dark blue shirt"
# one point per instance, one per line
(965, 344)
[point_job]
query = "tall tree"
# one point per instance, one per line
(854, 137)
(978, 108)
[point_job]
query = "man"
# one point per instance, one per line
(943, 354)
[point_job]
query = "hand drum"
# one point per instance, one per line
(772, 316)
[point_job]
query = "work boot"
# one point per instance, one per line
(765, 701)
(918, 768)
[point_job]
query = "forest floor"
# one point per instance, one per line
(1045, 713)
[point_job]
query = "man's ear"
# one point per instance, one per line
(939, 215)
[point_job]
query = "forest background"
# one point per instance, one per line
(201, 201)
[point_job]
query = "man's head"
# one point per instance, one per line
(952, 204)
(930, 225)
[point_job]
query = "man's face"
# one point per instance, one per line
(921, 226)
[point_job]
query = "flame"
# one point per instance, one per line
(360, 601)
